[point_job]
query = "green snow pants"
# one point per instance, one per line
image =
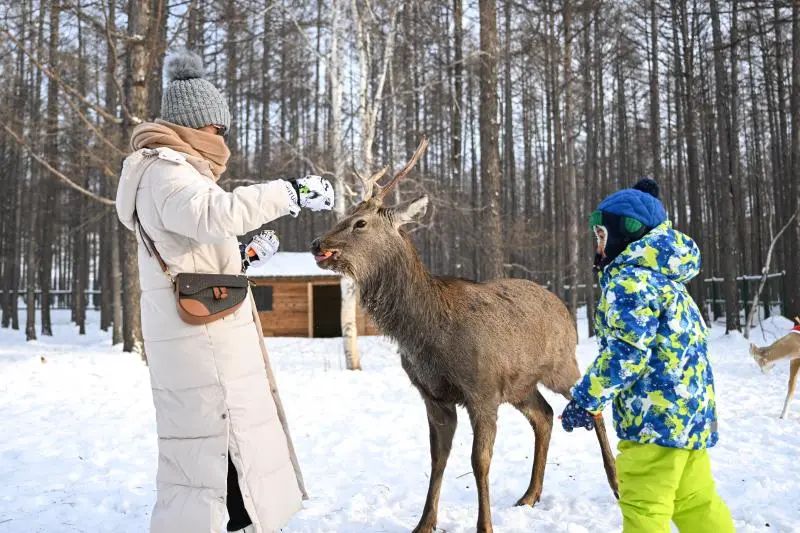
(658, 484)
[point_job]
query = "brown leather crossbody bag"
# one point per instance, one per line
(201, 298)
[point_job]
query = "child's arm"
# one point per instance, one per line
(632, 319)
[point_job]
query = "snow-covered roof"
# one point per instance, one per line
(289, 264)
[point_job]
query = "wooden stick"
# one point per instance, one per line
(273, 387)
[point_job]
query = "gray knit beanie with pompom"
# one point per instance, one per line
(189, 100)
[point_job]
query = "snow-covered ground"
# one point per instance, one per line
(78, 447)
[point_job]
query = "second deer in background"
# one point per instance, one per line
(787, 347)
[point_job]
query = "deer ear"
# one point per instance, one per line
(410, 211)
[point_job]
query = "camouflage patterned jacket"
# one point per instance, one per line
(653, 359)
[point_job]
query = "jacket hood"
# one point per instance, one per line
(129, 179)
(132, 171)
(664, 250)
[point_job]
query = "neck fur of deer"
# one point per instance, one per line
(401, 295)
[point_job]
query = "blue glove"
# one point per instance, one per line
(575, 416)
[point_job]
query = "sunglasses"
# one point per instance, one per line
(221, 130)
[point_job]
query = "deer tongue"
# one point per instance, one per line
(322, 256)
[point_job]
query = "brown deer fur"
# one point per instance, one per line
(785, 348)
(461, 343)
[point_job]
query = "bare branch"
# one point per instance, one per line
(54, 171)
(52, 75)
(764, 275)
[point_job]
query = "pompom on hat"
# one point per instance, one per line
(190, 100)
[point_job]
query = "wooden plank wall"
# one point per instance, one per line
(290, 310)
(291, 314)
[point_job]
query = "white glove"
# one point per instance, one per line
(313, 192)
(261, 248)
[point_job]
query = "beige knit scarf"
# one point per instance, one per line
(208, 147)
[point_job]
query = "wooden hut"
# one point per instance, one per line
(296, 298)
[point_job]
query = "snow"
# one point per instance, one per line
(78, 446)
(287, 264)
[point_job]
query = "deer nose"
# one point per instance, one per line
(315, 246)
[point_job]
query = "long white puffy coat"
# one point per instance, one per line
(209, 382)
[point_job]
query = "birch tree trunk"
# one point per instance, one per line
(348, 287)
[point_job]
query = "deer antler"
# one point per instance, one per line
(423, 145)
(370, 186)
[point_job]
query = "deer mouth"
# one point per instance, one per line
(324, 256)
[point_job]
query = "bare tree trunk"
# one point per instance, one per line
(47, 196)
(655, 112)
(348, 286)
(137, 103)
(571, 184)
(792, 307)
(509, 164)
(690, 132)
(266, 87)
(728, 217)
(492, 264)
(458, 94)
(590, 168)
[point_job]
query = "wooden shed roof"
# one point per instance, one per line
(290, 265)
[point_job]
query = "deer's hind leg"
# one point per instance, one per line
(442, 421)
(540, 415)
(794, 367)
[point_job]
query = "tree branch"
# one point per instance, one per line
(54, 171)
(764, 274)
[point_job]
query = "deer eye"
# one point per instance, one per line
(360, 224)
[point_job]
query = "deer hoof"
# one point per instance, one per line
(529, 500)
(424, 528)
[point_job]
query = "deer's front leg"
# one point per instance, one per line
(442, 420)
(484, 429)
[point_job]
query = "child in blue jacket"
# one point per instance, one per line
(653, 366)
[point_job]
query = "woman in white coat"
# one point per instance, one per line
(219, 439)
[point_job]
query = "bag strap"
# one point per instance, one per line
(150, 246)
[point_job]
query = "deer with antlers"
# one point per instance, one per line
(461, 343)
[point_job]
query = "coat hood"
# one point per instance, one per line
(133, 169)
(664, 250)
